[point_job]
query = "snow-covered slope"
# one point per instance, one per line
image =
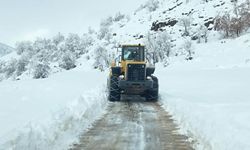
(50, 113)
(5, 49)
(169, 16)
(148, 20)
(209, 97)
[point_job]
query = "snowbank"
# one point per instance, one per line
(209, 97)
(50, 113)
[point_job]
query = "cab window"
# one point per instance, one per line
(133, 53)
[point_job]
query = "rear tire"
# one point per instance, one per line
(114, 90)
(152, 94)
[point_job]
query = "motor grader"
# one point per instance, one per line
(130, 74)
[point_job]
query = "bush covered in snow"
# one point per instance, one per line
(73, 45)
(101, 58)
(86, 41)
(41, 70)
(59, 51)
(118, 16)
(2, 64)
(152, 5)
(105, 30)
(10, 68)
(68, 61)
(21, 65)
(25, 46)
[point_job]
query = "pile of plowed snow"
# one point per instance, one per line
(210, 95)
(50, 113)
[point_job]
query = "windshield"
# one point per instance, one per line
(133, 53)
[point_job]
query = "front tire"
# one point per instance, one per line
(114, 90)
(153, 94)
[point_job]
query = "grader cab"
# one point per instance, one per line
(131, 75)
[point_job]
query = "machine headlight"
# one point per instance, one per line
(121, 77)
(149, 78)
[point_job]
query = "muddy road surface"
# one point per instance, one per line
(130, 125)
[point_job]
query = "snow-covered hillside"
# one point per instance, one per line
(204, 78)
(178, 24)
(5, 49)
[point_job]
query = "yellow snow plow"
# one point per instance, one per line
(131, 75)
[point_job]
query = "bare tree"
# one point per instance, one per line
(186, 23)
(235, 7)
(151, 48)
(187, 46)
(202, 33)
(222, 23)
(244, 11)
(101, 58)
(236, 26)
(159, 47)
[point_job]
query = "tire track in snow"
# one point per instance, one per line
(133, 125)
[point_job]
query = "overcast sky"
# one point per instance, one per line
(27, 19)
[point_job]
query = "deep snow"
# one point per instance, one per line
(50, 113)
(209, 97)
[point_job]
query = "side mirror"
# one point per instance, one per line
(117, 59)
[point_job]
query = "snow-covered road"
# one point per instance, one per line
(133, 125)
